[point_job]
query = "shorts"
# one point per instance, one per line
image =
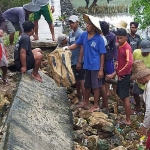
(78, 74)
(91, 79)
(12, 27)
(46, 12)
(136, 89)
(30, 61)
(123, 87)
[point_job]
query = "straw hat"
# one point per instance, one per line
(121, 24)
(139, 70)
(31, 7)
(94, 20)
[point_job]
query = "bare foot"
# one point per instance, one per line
(94, 108)
(83, 105)
(124, 122)
(37, 77)
(35, 38)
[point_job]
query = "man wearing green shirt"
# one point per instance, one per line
(141, 54)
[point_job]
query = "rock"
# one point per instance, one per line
(75, 100)
(104, 135)
(92, 142)
(78, 136)
(103, 144)
(116, 140)
(79, 123)
(119, 148)
(85, 114)
(100, 120)
(40, 118)
(78, 147)
(90, 131)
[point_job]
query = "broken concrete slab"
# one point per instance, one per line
(40, 118)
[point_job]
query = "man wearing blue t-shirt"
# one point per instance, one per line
(94, 50)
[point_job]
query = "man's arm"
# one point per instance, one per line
(78, 66)
(23, 60)
(52, 6)
(100, 73)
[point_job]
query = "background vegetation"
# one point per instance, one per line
(140, 9)
(6, 4)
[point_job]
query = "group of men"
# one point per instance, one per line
(97, 54)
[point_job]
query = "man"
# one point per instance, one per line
(24, 57)
(134, 39)
(3, 25)
(76, 61)
(14, 18)
(46, 11)
(144, 55)
(93, 51)
(123, 70)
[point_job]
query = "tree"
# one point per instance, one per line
(140, 9)
(6, 4)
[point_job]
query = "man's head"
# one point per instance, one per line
(133, 27)
(92, 23)
(105, 27)
(62, 40)
(28, 27)
(30, 8)
(1, 32)
(74, 22)
(121, 36)
(145, 48)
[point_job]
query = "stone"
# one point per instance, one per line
(119, 148)
(103, 144)
(116, 140)
(100, 120)
(78, 147)
(92, 142)
(90, 131)
(85, 114)
(39, 118)
(78, 136)
(79, 123)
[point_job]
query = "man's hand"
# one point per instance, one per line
(78, 66)
(100, 74)
(23, 69)
(109, 76)
(65, 48)
(52, 9)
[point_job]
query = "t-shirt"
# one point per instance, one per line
(137, 55)
(43, 2)
(16, 15)
(134, 41)
(73, 36)
(111, 47)
(146, 98)
(23, 42)
(92, 48)
(125, 59)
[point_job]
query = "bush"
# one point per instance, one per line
(6, 4)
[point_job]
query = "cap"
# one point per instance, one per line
(121, 32)
(73, 18)
(145, 46)
(61, 38)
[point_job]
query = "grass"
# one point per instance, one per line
(6, 38)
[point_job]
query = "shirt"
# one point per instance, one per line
(125, 60)
(146, 98)
(43, 2)
(137, 55)
(111, 47)
(16, 15)
(23, 42)
(73, 36)
(134, 41)
(92, 48)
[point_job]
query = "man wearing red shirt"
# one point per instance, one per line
(125, 61)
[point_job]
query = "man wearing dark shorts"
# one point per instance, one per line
(125, 62)
(24, 57)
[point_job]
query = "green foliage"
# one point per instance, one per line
(6, 4)
(140, 9)
(6, 38)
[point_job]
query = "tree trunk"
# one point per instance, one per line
(93, 4)
(87, 3)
